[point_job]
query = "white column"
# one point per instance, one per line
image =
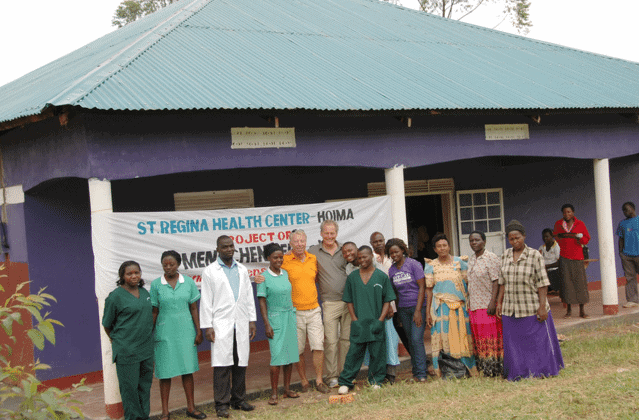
(606, 238)
(101, 202)
(395, 188)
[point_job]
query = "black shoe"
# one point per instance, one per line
(389, 380)
(200, 416)
(244, 406)
(223, 413)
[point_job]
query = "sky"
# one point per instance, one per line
(31, 40)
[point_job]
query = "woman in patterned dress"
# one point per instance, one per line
(446, 297)
(483, 273)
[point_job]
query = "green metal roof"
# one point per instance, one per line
(335, 55)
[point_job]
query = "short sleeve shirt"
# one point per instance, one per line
(404, 280)
(482, 272)
(350, 268)
(302, 275)
(276, 288)
(368, 300)
(162, 294)
(434, 271)
(131, 322)
(382, 262)
(331, 273)
(522, 279)
(552, 256)
(628, 229)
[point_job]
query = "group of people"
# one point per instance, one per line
(159, 327)
(486, 313)
(565, 253)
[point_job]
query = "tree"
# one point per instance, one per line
(131, 10)
(517, 11)
(19, 383)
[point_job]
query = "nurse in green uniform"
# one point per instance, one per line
(128, 321)
(280, 323)
(368, 293)
(177, 331)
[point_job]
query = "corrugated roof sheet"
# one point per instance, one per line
(336, 55)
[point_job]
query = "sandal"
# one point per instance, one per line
(584, 316)
(165, 417)
(291, 394)
(272, 400)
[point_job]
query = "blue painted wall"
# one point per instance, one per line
(57, 220)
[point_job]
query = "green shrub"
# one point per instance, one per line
(19, 383)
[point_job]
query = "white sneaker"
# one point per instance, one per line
(630, 304)
(375, 387)
(332, 383)
(343, 390)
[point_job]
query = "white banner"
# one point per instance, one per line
(143, 237)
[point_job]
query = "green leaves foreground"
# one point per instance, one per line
(19, 386)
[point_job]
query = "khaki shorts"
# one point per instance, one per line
(309, 324)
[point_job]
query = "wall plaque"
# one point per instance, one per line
(507, 132)
(262, 137)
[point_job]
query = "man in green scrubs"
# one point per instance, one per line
(368, 293)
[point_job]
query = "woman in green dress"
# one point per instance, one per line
(280, 323)
(177, 331)
(128, 321)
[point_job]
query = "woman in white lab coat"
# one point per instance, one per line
(227, 312)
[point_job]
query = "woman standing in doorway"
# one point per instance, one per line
(177, 331)
(571, 235)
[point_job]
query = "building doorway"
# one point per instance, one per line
(425, 220)
(429, 203)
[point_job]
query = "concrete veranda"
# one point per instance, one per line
(257, 379)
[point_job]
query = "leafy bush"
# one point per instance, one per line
(19, 383)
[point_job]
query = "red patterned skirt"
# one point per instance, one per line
(489, 342)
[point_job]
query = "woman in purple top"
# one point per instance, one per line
(407, 277)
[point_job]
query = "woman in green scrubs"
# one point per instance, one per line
(128, 321)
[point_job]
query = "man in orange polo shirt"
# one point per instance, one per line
(302, 271)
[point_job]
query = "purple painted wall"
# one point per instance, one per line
(58, 229)
(625, 174)
(535, 189)
(123, 146)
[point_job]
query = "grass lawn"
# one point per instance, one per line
(600, 381)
